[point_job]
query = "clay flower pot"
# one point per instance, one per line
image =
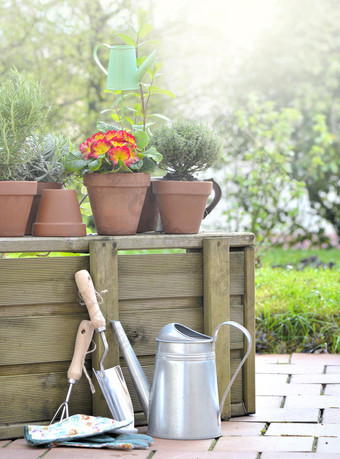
(15, 204)
(182, 205)
(59, 215)
(150, 213)
(36, 201)
(116, 200)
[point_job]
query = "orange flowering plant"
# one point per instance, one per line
(114, 151)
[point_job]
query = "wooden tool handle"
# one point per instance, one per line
(88, 293)
(83, 340)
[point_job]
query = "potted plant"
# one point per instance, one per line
(55, 211)
(187, 147)
(116, 166)
(23, 112)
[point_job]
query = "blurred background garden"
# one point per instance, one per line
(265, 75)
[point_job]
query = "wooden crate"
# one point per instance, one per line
(210, 281)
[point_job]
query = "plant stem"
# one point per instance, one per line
(122, 111)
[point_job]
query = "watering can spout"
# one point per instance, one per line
(138, 377)
(148, 61)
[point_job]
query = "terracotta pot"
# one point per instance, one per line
(150, 213)
(15, 204)
(116, 200)
(182, 204)
(36, 201)
(59, 215)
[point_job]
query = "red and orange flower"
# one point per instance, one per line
(116, 146)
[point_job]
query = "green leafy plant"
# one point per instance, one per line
(48, 163)
(23, 113)
(187, 147)
(129, 110)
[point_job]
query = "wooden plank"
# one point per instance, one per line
(26, 340)
(160, 276)
(249, 323)
(136, 305)
(35, 398)
(33, 310)
(139, 241)
(216, 306)
(104, 273)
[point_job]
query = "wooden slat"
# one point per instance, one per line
(217, 307)
(137, 305)
(140, 241)
(104, 273)
(32, 398)
(249, 323)
(47, 309)
(26, 340)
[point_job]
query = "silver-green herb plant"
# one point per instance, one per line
(23, 113)
(188, 147)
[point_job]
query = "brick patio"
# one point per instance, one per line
(297, 416)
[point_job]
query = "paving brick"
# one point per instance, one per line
(332, 389)
(298, 456)
(289, 369)
(312, 401)
(161, 444)
(328, 445)
(290, 389)
(4, 442)
(326, 359)
(304, 430)
(268, 401)
(316, 379)
(331, 416)
(245, 429)
(268, 381)
(203, 455)
(263, 443)
(333, 369)
(19, 449)
(273, 358)
(89, 453)
(282, 415)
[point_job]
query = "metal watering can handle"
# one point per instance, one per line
(96, 58)
(247, 335)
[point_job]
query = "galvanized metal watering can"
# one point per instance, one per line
(183, 401)
(122, 73)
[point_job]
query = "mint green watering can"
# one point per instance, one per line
(122, 73)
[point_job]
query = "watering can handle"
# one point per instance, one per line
(248, 336)
(96, 58)
(217, 197)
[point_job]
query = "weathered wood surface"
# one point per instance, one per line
(136, 242)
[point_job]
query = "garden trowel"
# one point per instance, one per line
(111, 381)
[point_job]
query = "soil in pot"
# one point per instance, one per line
(15, 204)
(36, 201)
(59, 215)
(181, 204)
(116, 200)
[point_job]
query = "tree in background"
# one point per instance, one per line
(296, 64)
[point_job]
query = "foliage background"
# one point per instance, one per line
(265, 74)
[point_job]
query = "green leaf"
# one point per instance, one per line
(95, 164)
(158, 115)
(153, 154)
(128, 40)
(104, 127)
(142, 139)
(157, 90)
(154, 42)
(136, 167)
(144, 30)
(148, 165)
(74, 161)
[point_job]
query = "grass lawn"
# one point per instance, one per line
(298, 310)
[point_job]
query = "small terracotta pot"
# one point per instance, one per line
(36, 201)
(15, 204)
(116, 200)
(150, 213)
(181, 204)
(59, 215)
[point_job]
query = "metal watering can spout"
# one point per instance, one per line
(148, 61)
(139, 379)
